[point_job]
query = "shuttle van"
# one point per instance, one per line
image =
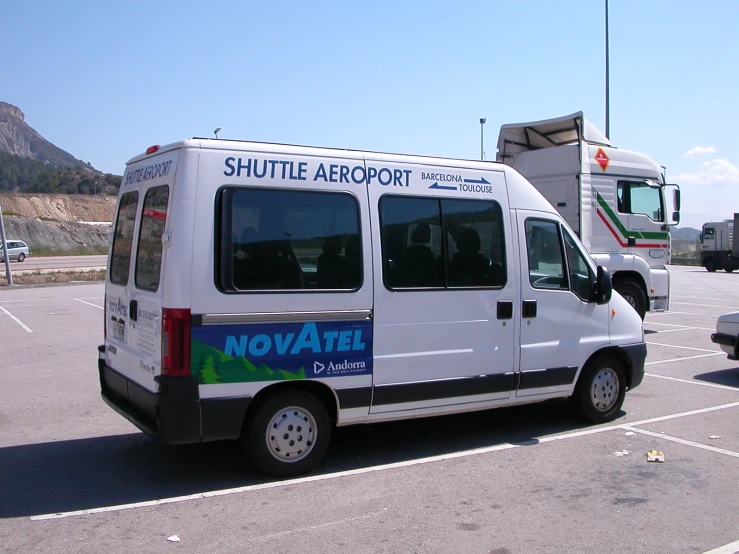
(267, 293)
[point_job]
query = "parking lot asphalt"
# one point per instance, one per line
(75, 476)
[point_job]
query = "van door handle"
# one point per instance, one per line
(133, 310)
(529, 309)
(505, 309)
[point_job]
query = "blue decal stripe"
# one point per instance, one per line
(443, 187)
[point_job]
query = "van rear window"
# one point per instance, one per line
(287, 240)
(120, 258)
(149, 250)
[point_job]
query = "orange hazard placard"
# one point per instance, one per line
(602, 158)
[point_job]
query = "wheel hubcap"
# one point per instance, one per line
(291, 434)
(605, 389)
(631, 300)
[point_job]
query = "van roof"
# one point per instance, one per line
(272, 147)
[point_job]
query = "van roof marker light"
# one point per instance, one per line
(152, 149)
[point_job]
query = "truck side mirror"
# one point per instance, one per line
(602, 287)
(672, 201)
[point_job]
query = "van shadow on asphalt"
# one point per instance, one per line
(727, 377)
(107, 471)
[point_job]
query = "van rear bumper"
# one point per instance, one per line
(175, 414)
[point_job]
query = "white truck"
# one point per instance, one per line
(616, 200)
(719, 245)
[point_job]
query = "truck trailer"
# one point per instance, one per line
(617, 201)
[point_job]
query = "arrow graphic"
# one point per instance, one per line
(444, 187)
(480, 181)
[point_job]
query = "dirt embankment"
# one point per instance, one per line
(59, 207)
(50, 223)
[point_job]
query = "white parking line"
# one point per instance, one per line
(712, 316)
(89, 304)
(731, 548)
(684, 326)
(384, 467)
(701, 305)
(675, 330)
(681, 347)
(683, 441)
(683, 359)
(688, 381)
(18, 321)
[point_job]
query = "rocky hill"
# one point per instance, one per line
(20, 139)
(59, 207)
(51, 223)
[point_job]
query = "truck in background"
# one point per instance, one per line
(720, 245)
(616, 200)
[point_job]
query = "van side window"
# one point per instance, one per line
(546, 262)
(439, 243)
(149, 249)
(411, 242)
(475, 243)
(120, 258)
(288, 240)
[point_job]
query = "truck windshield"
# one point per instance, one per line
(640, 198)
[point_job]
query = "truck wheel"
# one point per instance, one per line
(710, 265)
(600, 390)
(633, 295)
(728, 269)
(288, 435)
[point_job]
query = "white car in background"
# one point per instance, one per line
(727, 334)
(17, 249)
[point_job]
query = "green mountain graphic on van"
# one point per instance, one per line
(210, 366)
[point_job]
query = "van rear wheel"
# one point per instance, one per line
(288, 435)
(21, 257)
(600, 390)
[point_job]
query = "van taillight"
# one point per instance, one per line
(175, 342)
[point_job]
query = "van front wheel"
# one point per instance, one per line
(288, 435)
(600, 390)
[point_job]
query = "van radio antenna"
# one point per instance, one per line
(216, 131)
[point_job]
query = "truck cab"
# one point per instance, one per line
(617, 201)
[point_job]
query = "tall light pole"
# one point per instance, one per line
(608, 109)
(5, 249)
(482, 142)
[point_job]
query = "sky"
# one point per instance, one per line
(105, 80)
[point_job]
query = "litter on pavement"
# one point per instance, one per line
(655, 456)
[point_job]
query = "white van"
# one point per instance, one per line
(266, 293)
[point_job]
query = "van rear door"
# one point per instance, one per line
(133, 317)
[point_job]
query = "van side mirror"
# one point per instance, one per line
(602, 287)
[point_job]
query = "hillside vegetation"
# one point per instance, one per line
(29, 175)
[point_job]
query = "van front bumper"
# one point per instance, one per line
(175, 414)
(636, 355)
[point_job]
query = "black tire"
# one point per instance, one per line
(728, 269)
(600, 390)
(710, 265)
(21, 257)
(304, 434)
(634, 295)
